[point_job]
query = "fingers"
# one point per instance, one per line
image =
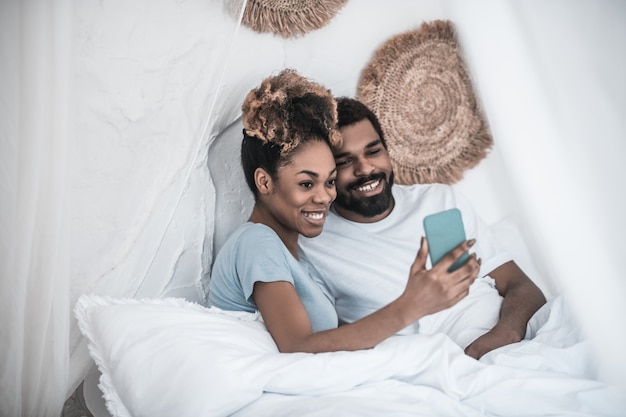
(470, 270)
(451, 257)
(464, 247)
(437, 288)
(422, 255)
(462, 278)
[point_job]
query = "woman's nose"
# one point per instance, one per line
(325, 195)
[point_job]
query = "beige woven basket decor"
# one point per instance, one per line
(418, 85)
(289, 18)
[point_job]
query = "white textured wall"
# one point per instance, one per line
(334, 56)
(146, 78)
(158, 88)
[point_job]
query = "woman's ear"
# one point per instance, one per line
(263, 181)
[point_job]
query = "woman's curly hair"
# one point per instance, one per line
(287, 109)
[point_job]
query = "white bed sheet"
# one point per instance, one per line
(554, 374)
(165, 357)
(375, 399)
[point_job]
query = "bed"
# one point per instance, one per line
(167, 356)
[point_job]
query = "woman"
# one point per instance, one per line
(289, 131)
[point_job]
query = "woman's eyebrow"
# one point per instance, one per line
(308, 172)
(313, 173)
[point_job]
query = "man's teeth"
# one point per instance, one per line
(314, 216)
(369, 187)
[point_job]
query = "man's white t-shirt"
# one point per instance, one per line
(365, 266)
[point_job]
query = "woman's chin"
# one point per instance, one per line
(311, 232)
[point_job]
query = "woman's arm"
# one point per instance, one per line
(427, 292)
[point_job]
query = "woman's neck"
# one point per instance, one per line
(289, 237)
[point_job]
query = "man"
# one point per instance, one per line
(366, 251)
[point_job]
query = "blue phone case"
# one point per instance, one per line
(444, 232)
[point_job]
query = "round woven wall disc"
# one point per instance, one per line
(418, 86)
(289, 18)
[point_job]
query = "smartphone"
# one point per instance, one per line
(444, 232)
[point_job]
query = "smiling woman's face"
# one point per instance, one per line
(304, 190)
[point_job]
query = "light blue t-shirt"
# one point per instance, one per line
(255, 253)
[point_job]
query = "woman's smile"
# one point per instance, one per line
(315, 216)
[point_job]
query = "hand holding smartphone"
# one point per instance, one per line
(444, 232)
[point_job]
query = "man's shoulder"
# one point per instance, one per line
(419, 188)
(418, 191)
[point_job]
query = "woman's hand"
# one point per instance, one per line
(435, 289)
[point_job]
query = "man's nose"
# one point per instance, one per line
(363, 167)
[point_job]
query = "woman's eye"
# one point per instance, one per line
(306, 184)
(332, 182)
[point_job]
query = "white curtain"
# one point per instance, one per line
(34, 218)
(150, 80)
(107, 110)
(551, 75)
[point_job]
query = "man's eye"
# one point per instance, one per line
(342, 162)
(373, 152)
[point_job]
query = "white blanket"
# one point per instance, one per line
(169, 357)
(553, 374)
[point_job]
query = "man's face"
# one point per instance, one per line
(364, 175)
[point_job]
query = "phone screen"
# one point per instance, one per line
(444, 232)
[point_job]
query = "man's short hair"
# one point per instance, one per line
(351, 111)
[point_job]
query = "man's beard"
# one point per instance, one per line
(366, 206)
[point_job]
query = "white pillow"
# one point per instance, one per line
(169, 357)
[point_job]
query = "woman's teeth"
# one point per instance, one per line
(314, 216)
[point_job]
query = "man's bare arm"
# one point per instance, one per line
(522, 298)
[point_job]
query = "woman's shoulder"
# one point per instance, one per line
(254, 236)
(260, 230)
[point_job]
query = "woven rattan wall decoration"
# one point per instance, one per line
(418, 85)
(289, 18)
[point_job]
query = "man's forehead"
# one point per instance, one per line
(358, 137)
(355, 146)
